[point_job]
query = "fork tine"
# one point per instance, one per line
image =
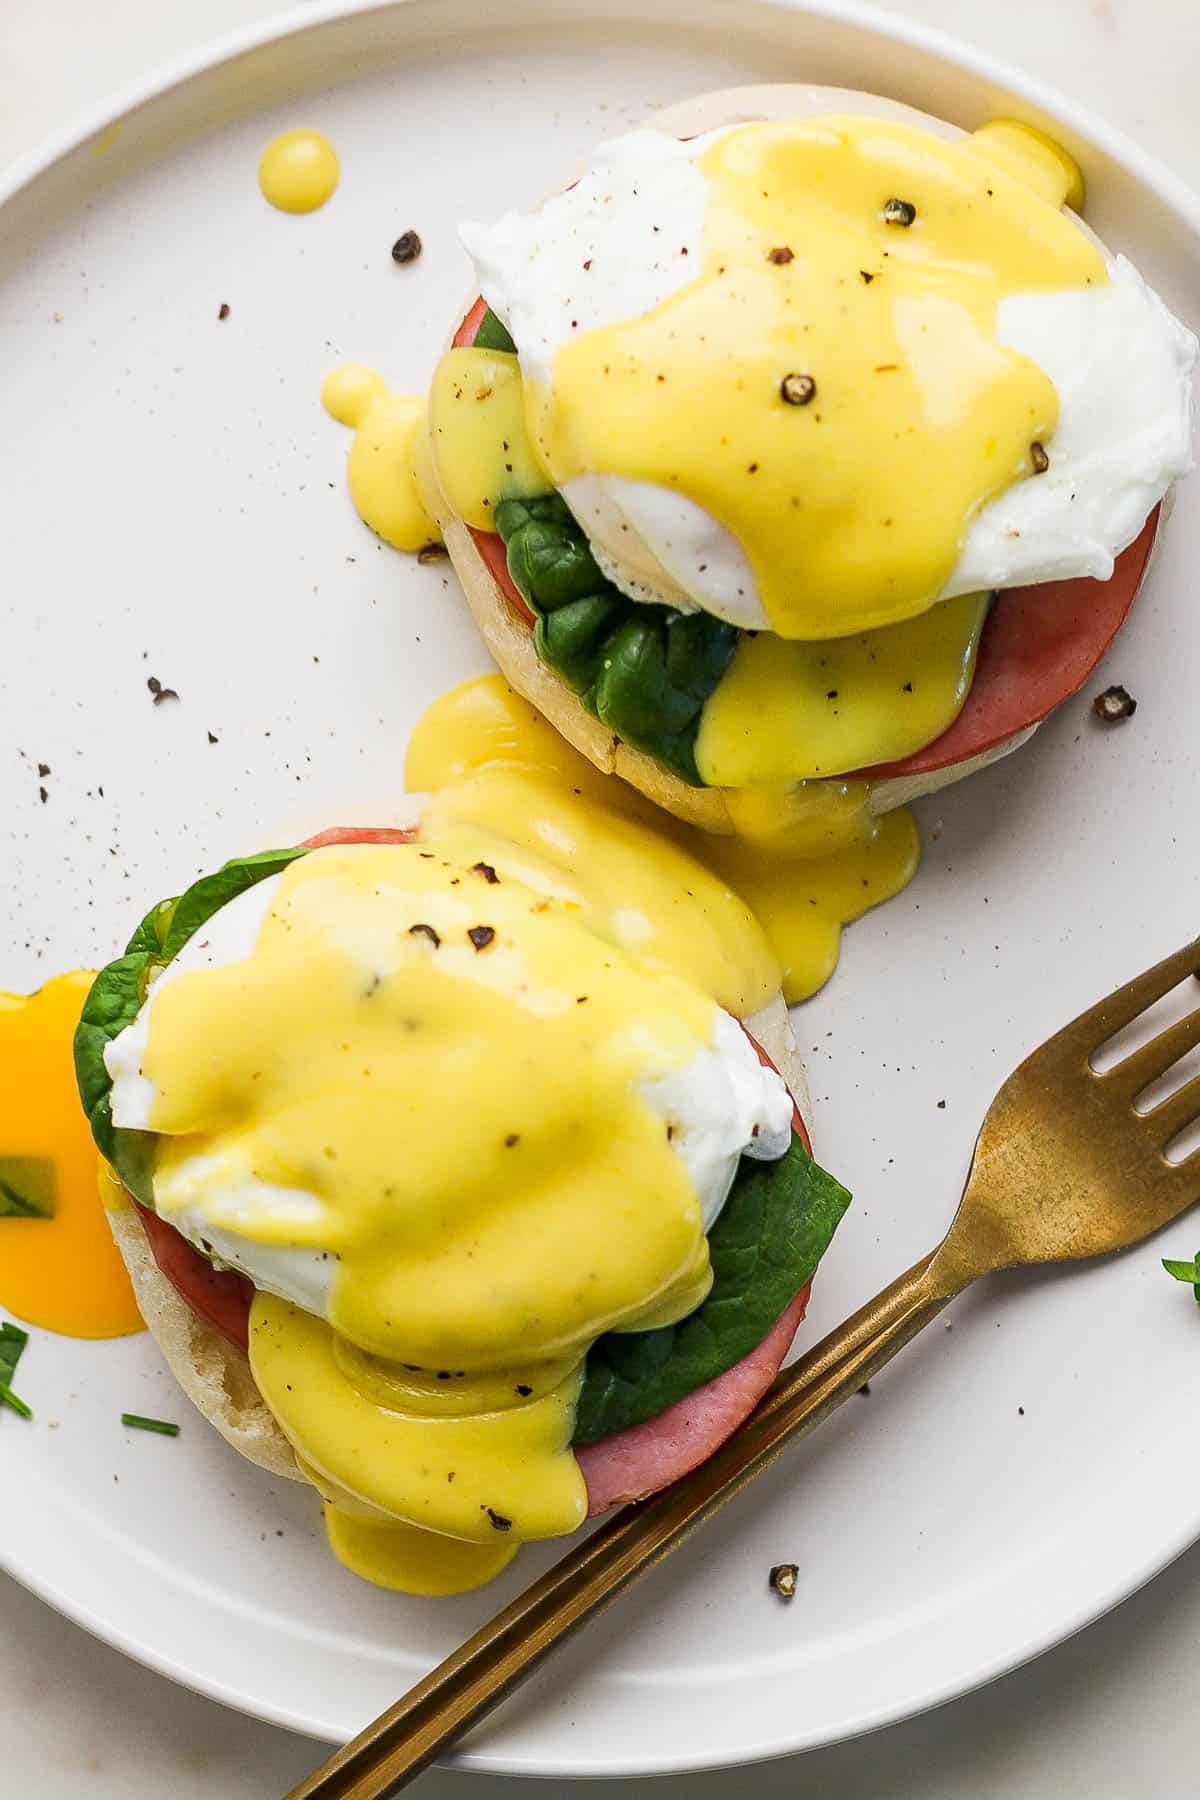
(1143, 1066)
(1100, 1022)
(1178, 1110)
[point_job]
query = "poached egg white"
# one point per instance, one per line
(612, 248)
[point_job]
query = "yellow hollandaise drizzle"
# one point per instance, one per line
(59, 1267)
(1032, 157)
(851, 506)
(298, 171)
(408, 1558)
(481, 449)
(388, 470)
(791, 710)
(485, 1479)
(802, 895)
(804, 858)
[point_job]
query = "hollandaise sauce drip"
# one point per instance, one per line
(852, 506)
(803, 859)
(388, 469)
(482, 451)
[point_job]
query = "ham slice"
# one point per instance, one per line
(221, 1297)
(1038, 646)
(361, 834)
(631, 1464)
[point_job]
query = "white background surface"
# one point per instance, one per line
(1107, 1715)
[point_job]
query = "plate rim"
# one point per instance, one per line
(1147, 170)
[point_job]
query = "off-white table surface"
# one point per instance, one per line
(1111, 1715)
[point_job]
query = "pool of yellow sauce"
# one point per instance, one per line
(852, 507)
(805, 858)
(298, 171)
(59, 1267)
(388, 469)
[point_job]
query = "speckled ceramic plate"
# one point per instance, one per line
(173, 506)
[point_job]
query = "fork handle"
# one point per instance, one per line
(468, 1684)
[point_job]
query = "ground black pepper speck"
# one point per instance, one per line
(406, 248)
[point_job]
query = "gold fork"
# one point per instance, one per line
(1064, 1167)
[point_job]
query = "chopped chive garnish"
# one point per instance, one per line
(12, 1342)
(26, 1187)
(163, 1427)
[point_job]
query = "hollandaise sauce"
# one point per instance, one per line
(59, 1267)
(789, 709)
(298, 171)
(482, 451)
(388, 468)
(804, 860)
(831, 386)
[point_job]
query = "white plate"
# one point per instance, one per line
(173, 505)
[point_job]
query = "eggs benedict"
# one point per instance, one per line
(458, 1164)
(806, 452)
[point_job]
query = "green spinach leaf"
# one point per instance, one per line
(644, 671)
(119, 990)
(492, 335)
(770, 1236)
(1185, 1271)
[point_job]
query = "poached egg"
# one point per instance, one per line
(723, 1103)
(631, 233)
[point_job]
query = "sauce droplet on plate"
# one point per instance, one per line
(298, 171)
(389, 468)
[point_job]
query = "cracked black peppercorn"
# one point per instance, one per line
(797, 390)
(782, 1580)
(406, 248)
(899, 212)
(1113, 704)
